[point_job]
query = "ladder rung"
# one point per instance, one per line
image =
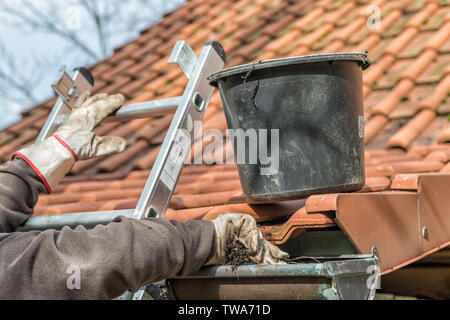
(145, 109)
(87, 219)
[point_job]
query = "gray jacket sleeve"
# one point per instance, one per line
(99, 263)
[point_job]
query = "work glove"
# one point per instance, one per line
(53, 158)
(244, 228)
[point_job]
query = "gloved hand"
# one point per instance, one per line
(244, 227)
(53, 158)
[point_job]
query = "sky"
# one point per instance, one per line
(38, 55)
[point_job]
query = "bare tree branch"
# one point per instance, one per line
(45, 23)
(10, 76)
(93, 12)
(103, 25)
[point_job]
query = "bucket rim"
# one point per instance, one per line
(360, 57)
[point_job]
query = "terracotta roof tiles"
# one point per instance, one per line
(406, 96)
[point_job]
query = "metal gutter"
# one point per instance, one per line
(88, 219)
(341, 277)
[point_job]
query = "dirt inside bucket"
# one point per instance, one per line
(237, 253)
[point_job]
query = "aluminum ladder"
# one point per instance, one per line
(188, 108)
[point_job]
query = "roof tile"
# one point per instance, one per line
(422, 15)
(300, 221)
(445, 135)
(26, 137)
(387, 21)
(404, 167)
(154, 127)
(113, 162)
(404, 137)
(440, 93)
(390, 101)
(147, 160)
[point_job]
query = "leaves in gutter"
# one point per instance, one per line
(236, 252)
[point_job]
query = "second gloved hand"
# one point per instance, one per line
(53, 158)
(245, 228)
(86, 114)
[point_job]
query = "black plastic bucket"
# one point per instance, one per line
(316, 103)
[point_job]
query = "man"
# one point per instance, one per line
(109, 259)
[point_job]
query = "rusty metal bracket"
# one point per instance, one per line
(400, 226)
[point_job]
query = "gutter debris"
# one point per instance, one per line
(236, 252)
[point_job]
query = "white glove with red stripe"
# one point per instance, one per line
(53, 158)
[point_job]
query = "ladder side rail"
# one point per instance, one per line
(176, 146)
(80, 85)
